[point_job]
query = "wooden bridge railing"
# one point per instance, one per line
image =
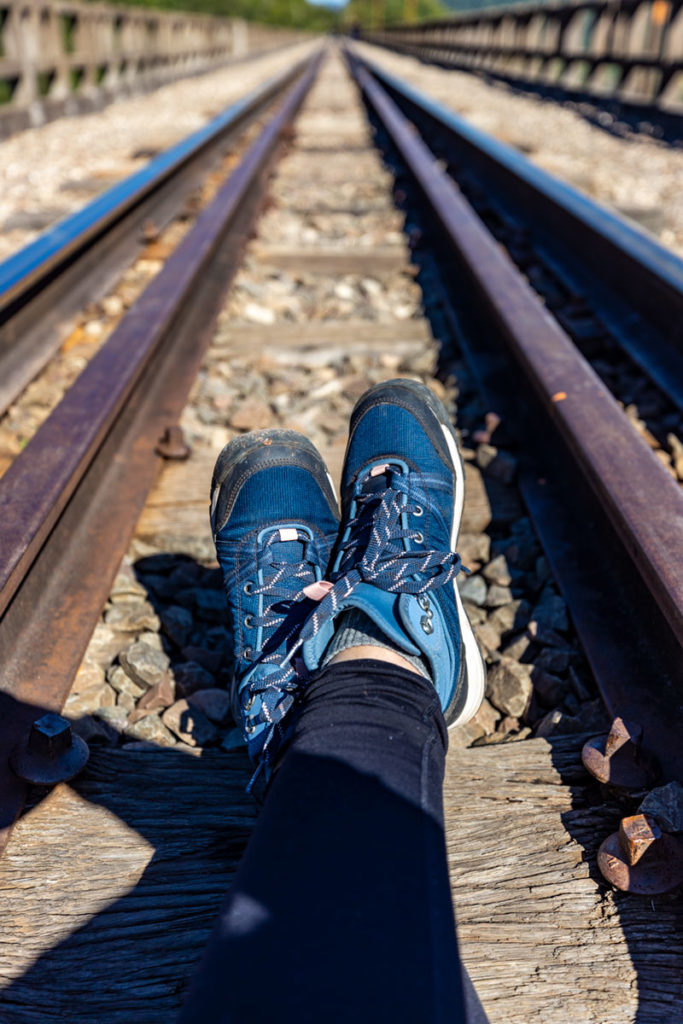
(59, 57)
(631, 50)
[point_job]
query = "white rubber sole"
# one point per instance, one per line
(474, 663)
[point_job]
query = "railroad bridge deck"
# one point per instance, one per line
(110, 884)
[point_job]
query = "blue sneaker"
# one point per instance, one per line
(402, 499)
(274, 521)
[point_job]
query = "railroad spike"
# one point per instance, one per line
(636, 835)
(642, 859)
(173, 446)
(615, 760)
(51, 753)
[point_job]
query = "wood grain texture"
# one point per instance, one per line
(544, 937)
(109, 889)
(368, 262)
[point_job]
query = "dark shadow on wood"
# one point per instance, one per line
(132, 961)
(652, 926)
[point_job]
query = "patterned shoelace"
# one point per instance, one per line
(288, 589)
(385, 562)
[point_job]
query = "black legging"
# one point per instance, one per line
(341, 909)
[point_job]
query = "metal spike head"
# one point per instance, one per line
(51, 753)
(622, 732)
(636, 835)
(642, 859)
(614, 759)
(173, 445)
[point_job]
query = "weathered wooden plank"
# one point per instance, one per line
(109, 889)
(543, 936)
(352, 334)
(366, 261)
(345, 167)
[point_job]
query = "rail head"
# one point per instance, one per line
(627, 240)
(23, 271)
(644, 504)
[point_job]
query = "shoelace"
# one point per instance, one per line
(385, 562)
(277, 690)
(278, 585)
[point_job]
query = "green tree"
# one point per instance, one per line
(367, 13)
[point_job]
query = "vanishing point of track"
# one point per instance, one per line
(70, 501)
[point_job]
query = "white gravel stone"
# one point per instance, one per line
(47, 172)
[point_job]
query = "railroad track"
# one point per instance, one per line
(326, 301)
(77, 261)
(634, 312)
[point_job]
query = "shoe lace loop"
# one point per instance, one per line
(288, 590)
(376, 530)
(283, 584)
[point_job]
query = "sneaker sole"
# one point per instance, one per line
(475, 669)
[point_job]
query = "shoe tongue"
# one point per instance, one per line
(287, 547)
(378, 479)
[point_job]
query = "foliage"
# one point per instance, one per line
(370, 13)
(471, 5)
(292, 13)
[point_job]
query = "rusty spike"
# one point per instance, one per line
(173, 445)
(636, 835)
(614, 759)
(642, 859)
(620, 733)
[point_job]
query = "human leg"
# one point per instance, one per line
(341, 909)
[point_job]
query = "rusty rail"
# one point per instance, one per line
(640, 282)
(607, 485)
(70, 501)
(628, 50)
(46, 283)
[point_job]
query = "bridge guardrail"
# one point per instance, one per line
(630, 50)
(59, 56)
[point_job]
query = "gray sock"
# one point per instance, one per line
(356, 629)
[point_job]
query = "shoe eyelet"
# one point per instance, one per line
(419, 537)
(248, 587)
(249, 703)
(419, 511)
(248, 621)
(423, 602)
(247, 653)
(250, 726)
(426, 624)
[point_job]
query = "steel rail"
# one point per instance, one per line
(636, 282)
(70, 501)
(46, 283)
(627, 484)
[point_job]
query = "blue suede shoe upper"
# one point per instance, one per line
(393, 559)
(274, 524)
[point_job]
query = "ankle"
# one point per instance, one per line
(375, 653)
(357, 636)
